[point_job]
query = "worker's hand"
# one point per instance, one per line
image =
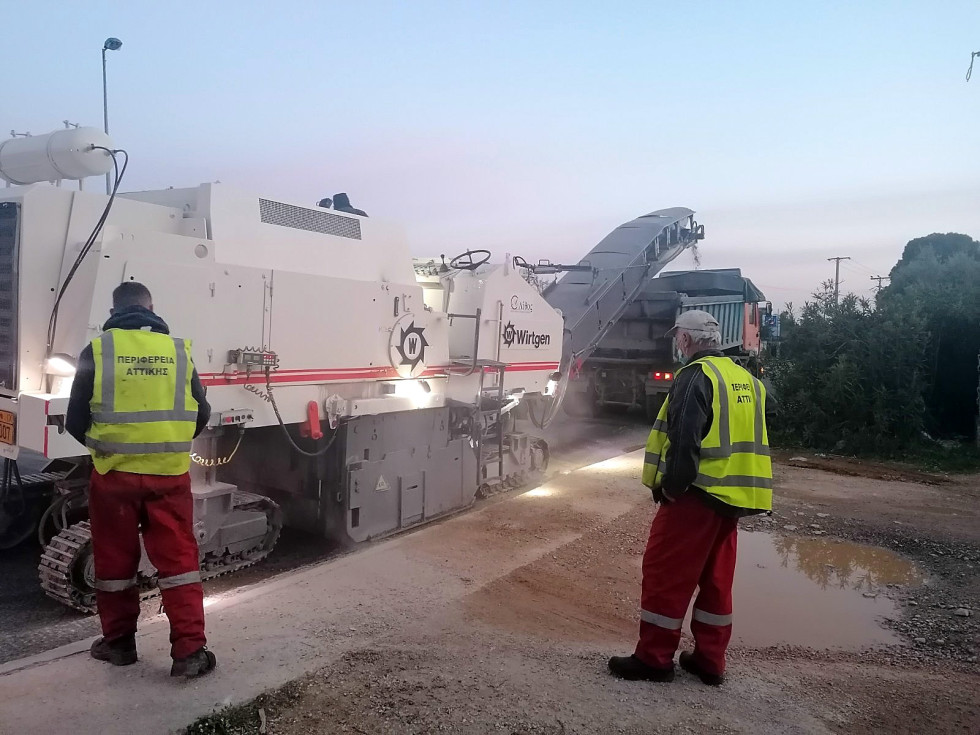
(660, 496)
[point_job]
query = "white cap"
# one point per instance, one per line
(694, 320)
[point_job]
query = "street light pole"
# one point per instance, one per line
(111, 44)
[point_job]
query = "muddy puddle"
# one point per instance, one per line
(815, 592)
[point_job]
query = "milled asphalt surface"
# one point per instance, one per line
(33, 623)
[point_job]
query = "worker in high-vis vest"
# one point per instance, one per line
(136, 403)
(707, 463)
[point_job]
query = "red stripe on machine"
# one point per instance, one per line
(347, 374)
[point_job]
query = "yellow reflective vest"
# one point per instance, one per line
(734, 464)
(143, 414)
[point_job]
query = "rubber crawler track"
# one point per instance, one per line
(60, 568)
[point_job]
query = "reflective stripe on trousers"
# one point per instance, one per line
(179, 580)
(710, 618)
(114, 585)
(661, 621)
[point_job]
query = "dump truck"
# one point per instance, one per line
(635, 363)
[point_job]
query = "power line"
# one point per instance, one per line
(838, 259)
(859, 264)
(845, 269)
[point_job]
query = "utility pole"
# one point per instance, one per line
(837, 276)
(879, 279)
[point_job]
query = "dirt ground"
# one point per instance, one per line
(526, 652)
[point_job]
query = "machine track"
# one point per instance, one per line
(67, 571)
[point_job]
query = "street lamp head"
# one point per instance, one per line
(112, 44)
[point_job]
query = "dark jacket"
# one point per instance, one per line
(689, 417)
(79, 416)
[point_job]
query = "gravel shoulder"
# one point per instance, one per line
(525, 651)
(936, 525)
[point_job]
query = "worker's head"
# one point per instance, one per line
(694, 331)
(131, 293)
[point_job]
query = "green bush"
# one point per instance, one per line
(849, 377)
(880, 378)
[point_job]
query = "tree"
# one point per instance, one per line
(939, 278)
(940, 246)
(870, 378)
(849, 376)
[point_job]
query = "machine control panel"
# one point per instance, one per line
(253, 358)
(234, 417)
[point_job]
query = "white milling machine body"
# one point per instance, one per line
(369, 355)
(355, 391)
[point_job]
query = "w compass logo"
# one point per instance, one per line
(509, 334)
(411, 346)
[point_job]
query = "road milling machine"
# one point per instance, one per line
(356, 390)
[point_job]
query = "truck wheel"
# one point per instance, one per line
(653, 405)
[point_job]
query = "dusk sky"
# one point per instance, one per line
(796, 131)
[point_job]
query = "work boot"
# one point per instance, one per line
(199, 663)
(119, 652)
(632, 669)
(691, 666)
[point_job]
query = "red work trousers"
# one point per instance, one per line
(122, 504)
(690, 547)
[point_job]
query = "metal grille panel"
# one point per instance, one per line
(9, 212)
(311, 220)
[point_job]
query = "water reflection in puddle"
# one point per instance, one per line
(811, 592)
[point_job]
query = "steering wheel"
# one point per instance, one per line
(470, 263)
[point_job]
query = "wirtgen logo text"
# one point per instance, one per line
(524, 337)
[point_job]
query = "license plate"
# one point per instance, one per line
(7, 422)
